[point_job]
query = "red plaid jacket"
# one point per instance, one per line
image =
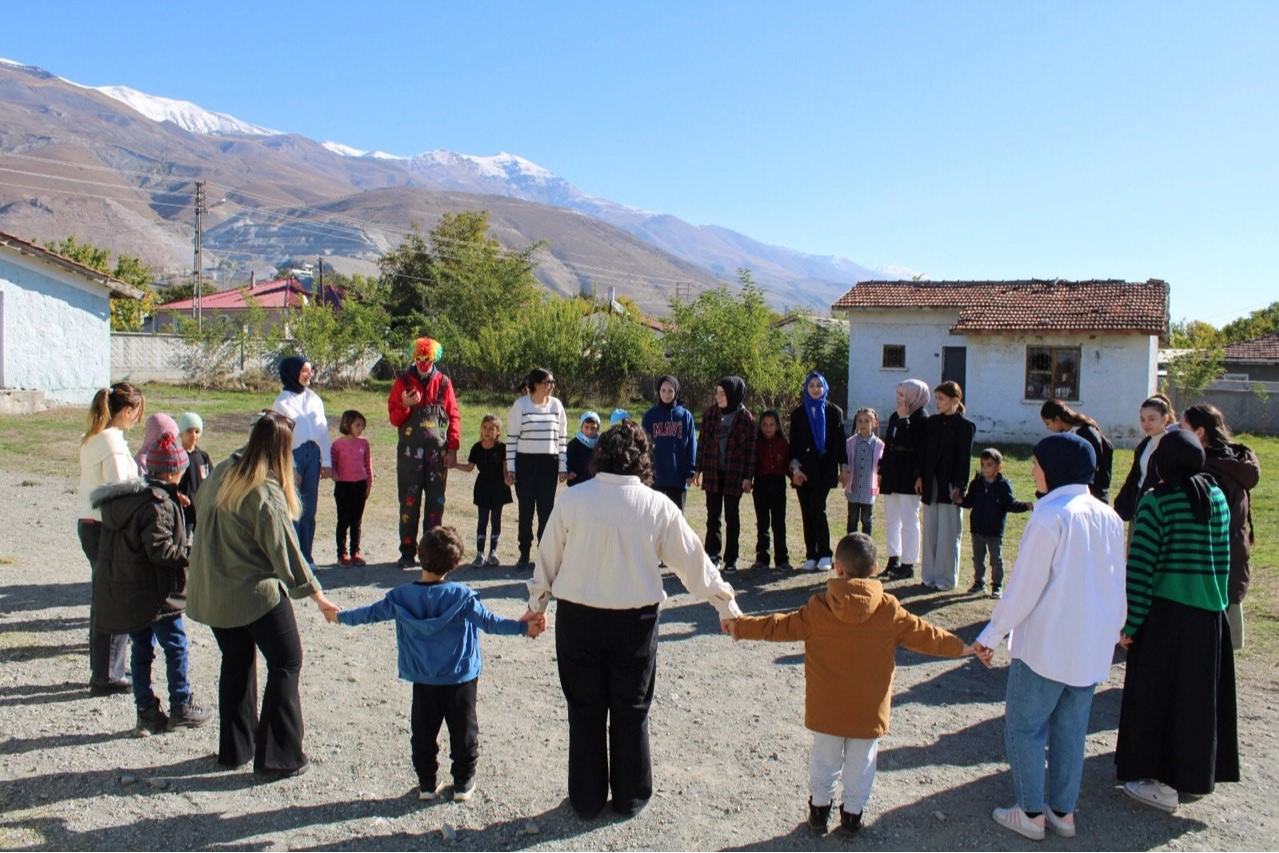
(741, 452)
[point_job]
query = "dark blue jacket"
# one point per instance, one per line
(674, 438)
(990, 503)
(437, 627)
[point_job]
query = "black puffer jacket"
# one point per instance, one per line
(902, 438)
(1237, 471)
(141, 573)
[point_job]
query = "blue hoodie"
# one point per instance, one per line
(670, 429)
(437, 626)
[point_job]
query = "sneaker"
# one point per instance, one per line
(818, 817)
(893, 564)
(462, 791)
(997, 590)
(344, 561)
(151, 721)
(522, 564)
(1063, 826)
(112, 687)
(1153, 793)
(809, 566)
(729, 569)
(276, 775)
(357, 560)
(478, 561)
(900, 573)
(849, 823)
(406, 563)
(785, 566)
(428, 792)
(189, 716)
(493, 560)
(977, 588)
(823, 565)
(1019, 822)
(760, 564)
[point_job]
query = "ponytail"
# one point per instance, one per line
(1208, 418)
(952, 390)
(1055, 408)
(108, 403)
(1162, 404)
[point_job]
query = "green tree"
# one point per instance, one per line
(1191, 373)
(1194, 334)
(1263, 321)
(341, 340)
(126, 314)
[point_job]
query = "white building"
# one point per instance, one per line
(55, 323)
(1010, 345)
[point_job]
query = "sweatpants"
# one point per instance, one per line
(902, 527)
(833, 758)
(942, 525)
(453, 705)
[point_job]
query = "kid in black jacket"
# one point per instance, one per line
(989, 500)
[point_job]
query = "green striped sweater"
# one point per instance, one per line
(1173, 556)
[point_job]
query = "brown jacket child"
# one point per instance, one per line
(851, 633)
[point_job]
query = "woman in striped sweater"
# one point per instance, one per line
(536, 461)
(1177, 724)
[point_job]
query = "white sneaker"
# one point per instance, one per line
(428, 793)
(823, 565)
(809, 566)
(1019, 822)
(1063, 826)
(1153, 793)
(463, 792)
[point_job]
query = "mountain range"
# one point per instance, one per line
(117, 167)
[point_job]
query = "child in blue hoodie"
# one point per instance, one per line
(437, 625)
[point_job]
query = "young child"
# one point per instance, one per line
(989, 500)
(580, 448)
(190, 428)
(772, 456)
(353, 473)
(851, 633)
(865, 449)
(140, 582)
(491, 492)
(437, 625)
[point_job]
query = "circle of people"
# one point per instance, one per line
(167, 533)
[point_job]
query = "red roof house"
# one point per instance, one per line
(275, 297)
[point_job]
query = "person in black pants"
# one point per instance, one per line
(819, 462)
(772, 459)
(536, 455)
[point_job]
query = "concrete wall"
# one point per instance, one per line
(54, 331)
(1251, 407)
(1116, 373)
(140, 357)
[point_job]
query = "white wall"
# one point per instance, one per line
(56, 331)
(1117, 372)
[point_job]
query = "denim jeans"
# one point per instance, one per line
(1041, 713)
(306, 462)
(171, 636)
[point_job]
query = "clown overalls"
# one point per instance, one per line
(421, 472)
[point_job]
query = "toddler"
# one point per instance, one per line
(353, 473)
(865, 449)
(989, 500)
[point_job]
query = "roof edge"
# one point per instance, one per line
(112, 284)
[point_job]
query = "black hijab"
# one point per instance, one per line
(290, 369)
(1066, 459)
(674, 383)
(735, 390)
(1177, 464)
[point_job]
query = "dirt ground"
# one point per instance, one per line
(730, 750)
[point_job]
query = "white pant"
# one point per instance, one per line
(902, 514)
(852, 758)
(943, 525)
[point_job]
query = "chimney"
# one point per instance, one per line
(253, 278)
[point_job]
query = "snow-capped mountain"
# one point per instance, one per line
(186, 115)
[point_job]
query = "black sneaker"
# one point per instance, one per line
(276, 775)
(997, 590)
(729, 569)
(406, 563)
(112, 687)
(523, 564)
(189, 716)
(151, 721)
(462, 791)
(977, 588)
(849, 824)
(901, 573)
(785, 566)
(818, 817)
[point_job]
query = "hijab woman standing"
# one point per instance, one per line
(819, 462)
(310, 442)
(726, 467)
(902, 439)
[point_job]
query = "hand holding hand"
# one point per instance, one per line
(326, 473)
(328, 608)
(957, 496)
(984, 654)
(797, 477)
(563, 476)
(919, 486)
(695, 480)
(747, 485)
(1124, 641)
(510, 478)
(729, 627)
(536, 626)
(571, 477)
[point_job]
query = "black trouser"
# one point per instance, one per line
(107, 651)
(608, 668)
(812, 509)
(454, 705)
(729, 506)
(273, 740)
(860, 514)
(677, 495)
(536, 476)
(490, 522)
(350, 496)
(769, 493)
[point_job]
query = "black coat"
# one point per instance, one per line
(820, 470)
(990, 504)
(1133, 488)
(1237, 471)
(902, 438)
(945, 458)
(141, 573)
(578, 462)
(1100, 484)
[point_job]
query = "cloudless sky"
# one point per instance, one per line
(998, 140)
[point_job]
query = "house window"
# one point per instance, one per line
(894, 355)
(1052, 372)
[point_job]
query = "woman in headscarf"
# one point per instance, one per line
(1064, 603)
(726, 467)
(670, 429)
(311, 443)
(902, 439)
(1177, 724)
(819, 462)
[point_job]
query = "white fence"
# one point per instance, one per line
(141, 357)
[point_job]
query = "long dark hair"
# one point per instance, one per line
(624, 449)
(1055, 408)
(1207, 417)
(536, 375)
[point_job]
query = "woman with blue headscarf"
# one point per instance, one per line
(819, 463)
(311, 442)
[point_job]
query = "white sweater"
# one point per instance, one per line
(1066, 599)
(603, 543)
(533, 428)
(104, 458)
(307, 411)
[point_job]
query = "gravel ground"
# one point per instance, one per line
(729, 748)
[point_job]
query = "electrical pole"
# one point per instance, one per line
(197, 306)
(319, 271)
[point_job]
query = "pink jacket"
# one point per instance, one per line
(352, 462)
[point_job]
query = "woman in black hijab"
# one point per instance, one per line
(1177, 724)
(726, 467)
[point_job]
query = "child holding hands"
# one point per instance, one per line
(437, 625)
(851, 633)
(353, 473)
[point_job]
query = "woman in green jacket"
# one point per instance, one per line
(246, 564)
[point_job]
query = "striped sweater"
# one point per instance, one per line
(1173, 556)
(531, 428)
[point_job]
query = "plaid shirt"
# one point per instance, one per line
(740, 464)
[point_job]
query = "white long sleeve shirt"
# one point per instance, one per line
(307, 411)
(533, 428)
(1065, 600)
(603, 543)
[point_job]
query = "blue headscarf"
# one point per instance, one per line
(290, 368)
(1066, 459)
(588, 440)
(816, 411)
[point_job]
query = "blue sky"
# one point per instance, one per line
(966, 140)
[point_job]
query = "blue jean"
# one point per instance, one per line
(1041, 713)
(171, 636)
(306, 462)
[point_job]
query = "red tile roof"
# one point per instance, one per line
(1264, 348)
(994, 307)
(280, 293)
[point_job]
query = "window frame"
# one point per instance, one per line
(1057, 382)
(883, 357)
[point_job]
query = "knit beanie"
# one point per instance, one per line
(618, 416)
(166, 456)
(190, 420)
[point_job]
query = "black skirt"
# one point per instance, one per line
(1177, 723)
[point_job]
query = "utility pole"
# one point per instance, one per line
(197, 306)
(319, 271)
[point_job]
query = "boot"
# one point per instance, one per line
(903, 572)
(849, 824)
(189, 716)
(891, 566)
(818, 817)
(151, 721)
